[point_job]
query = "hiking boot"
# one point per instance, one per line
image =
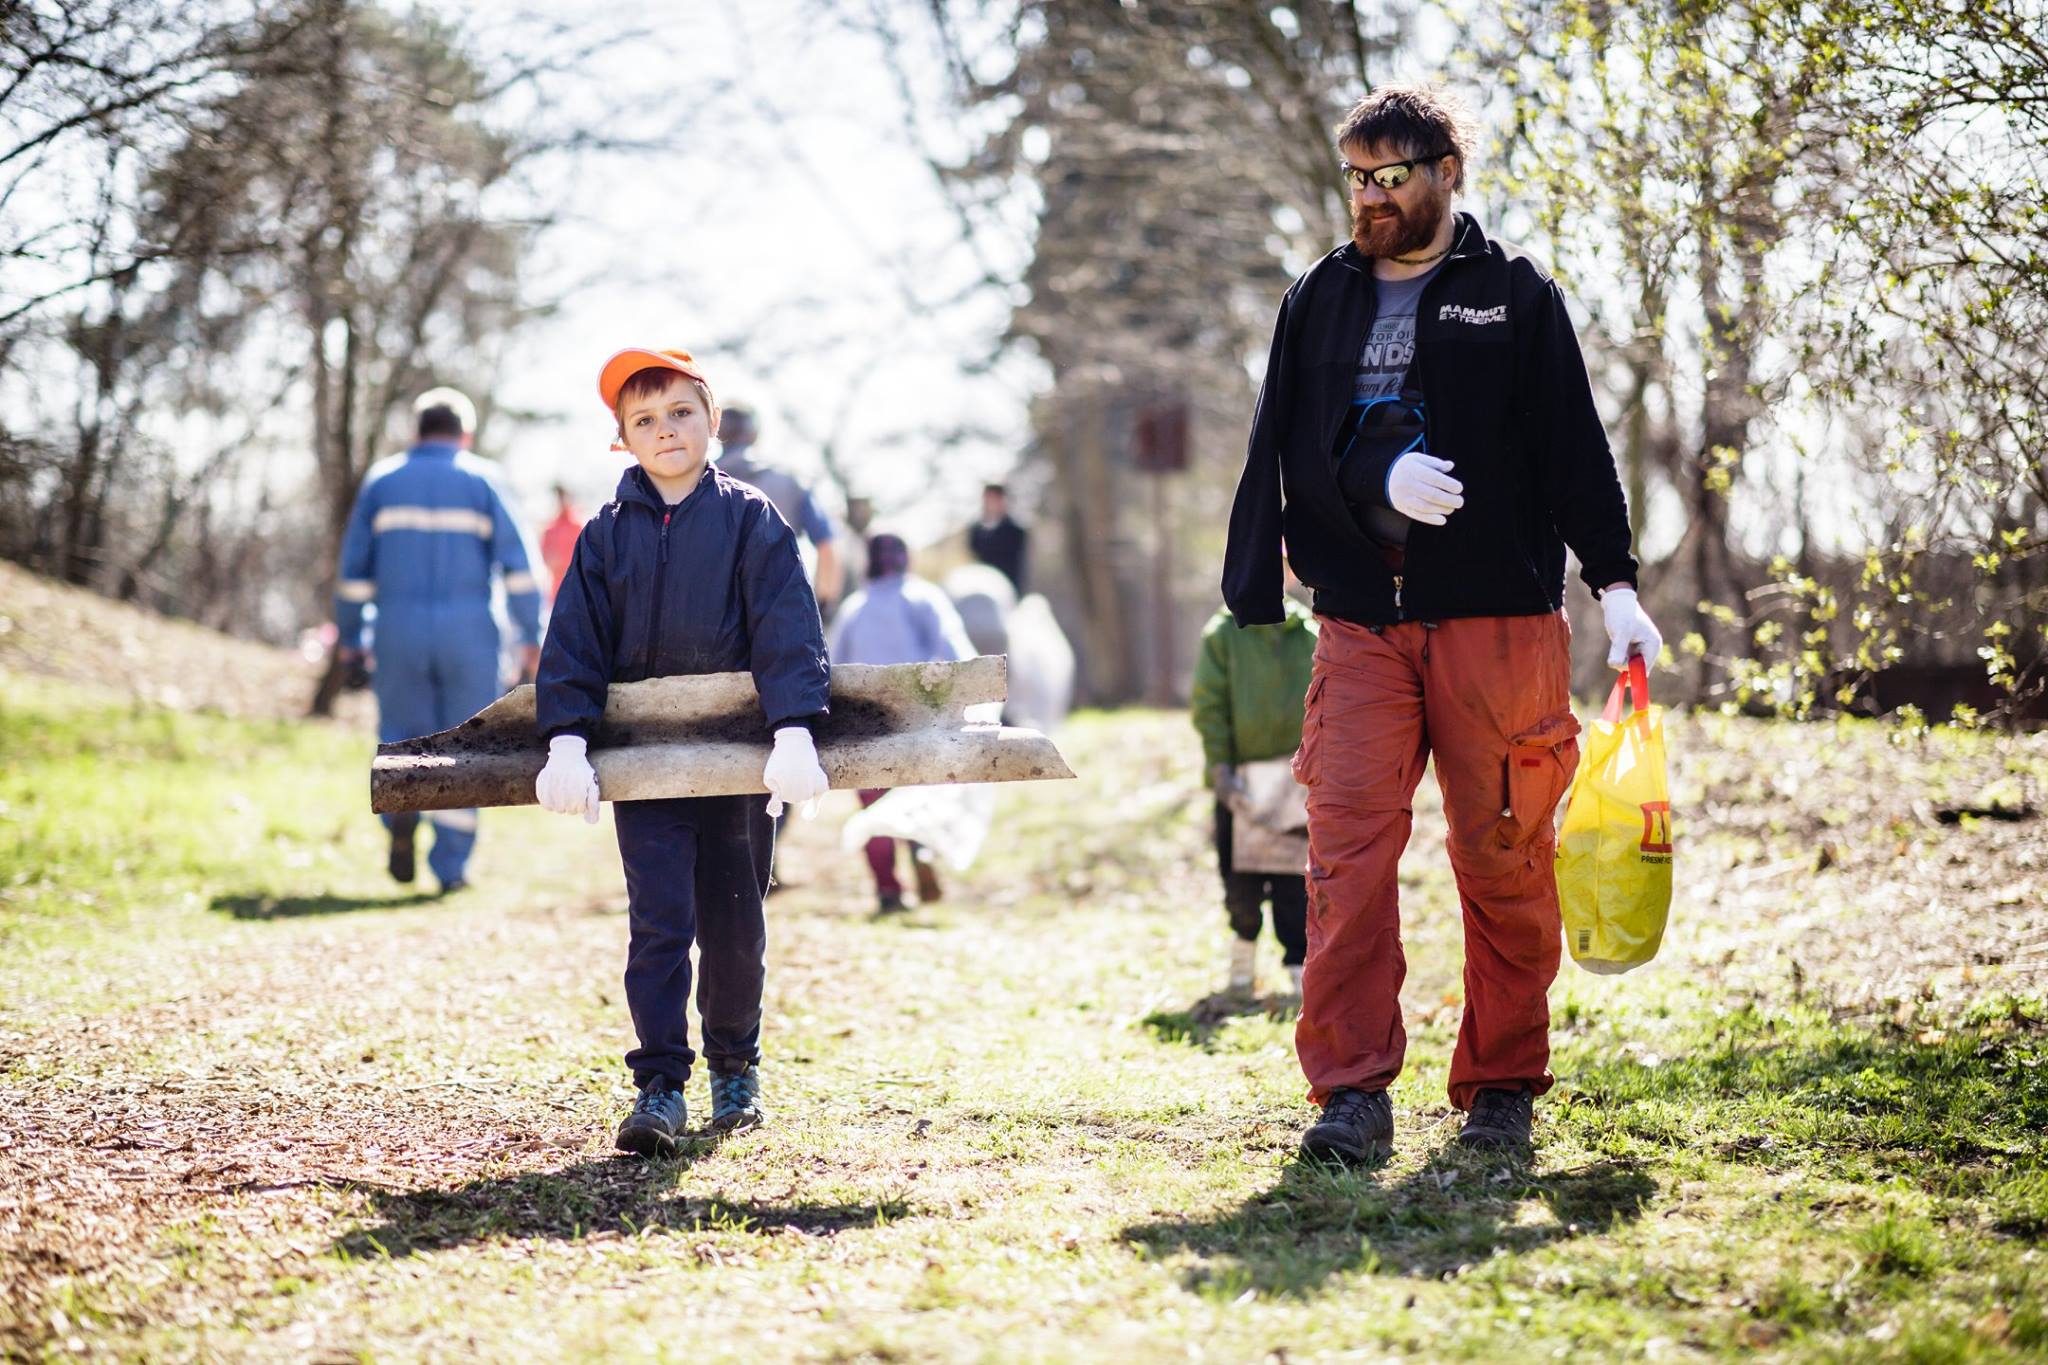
(1357, 1128)
(927, 881)
(401, 863)
(1244, 960)
(1499, 1119)
(735, 1099)
(657, 1120)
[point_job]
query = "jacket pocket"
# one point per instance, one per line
(1539, 766)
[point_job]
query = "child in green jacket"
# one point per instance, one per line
(1250, 683)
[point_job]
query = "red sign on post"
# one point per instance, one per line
(1162, 438)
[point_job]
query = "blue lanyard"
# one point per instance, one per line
(1364, 410)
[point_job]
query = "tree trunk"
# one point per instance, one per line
(1728, 408)
(1089, 489)
(85, 486)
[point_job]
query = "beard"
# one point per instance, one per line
(1385, 230)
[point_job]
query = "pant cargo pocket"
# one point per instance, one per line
(1540, 763)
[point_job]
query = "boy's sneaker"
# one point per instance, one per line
(401, 864)
(1499, 1119)
(735, 1099)
(1244, 961)
(892, 904)
(658, 1119)
(1357, 1128)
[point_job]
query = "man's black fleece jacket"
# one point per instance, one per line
(1505, 399)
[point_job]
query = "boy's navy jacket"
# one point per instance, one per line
(713, 584)
(1506, 400)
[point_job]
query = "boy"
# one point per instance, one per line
(686, 571)
(1247, 701)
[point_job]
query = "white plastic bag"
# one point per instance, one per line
(1270, 830)
(1041, 667)
(951, 822)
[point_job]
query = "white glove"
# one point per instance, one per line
(568, 784)
(1420, 488)
(793, 776)
(1629, 630)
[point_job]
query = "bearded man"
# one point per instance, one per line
(1427, 443)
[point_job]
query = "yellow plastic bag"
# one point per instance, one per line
(1614, 852)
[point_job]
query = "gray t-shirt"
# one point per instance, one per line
(1383, 370)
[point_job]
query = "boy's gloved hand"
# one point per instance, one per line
(568, 784)
(1224, 779)
(793, 776)
(1629, 629)
(1420, 488)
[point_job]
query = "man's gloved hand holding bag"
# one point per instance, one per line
(1629, 628)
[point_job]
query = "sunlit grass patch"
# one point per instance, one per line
(1769, 1086)
(116, 807)
(276, 1107)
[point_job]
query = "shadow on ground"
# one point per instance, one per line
(253, 905)
(1199, 1023)
(1961, 1111)
(622, 1195)
(1457, 1210)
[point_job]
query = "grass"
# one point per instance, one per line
(256, 1102)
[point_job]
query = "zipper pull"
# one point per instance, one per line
(1397, 595)
(663, 557)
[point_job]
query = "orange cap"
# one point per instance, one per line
(634, 359)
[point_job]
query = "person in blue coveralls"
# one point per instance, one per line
(427, 530)
(687, 570)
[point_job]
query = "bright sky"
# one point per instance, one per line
(793, 237)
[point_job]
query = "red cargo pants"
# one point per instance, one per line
(1489, 697)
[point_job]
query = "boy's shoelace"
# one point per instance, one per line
(658, 1102)
(735, 1092)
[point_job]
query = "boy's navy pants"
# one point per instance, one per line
(696, 871)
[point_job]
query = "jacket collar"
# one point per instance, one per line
(635, 486)
(1467, 239)
(436, 448)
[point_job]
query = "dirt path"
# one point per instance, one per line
(257, 1103)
